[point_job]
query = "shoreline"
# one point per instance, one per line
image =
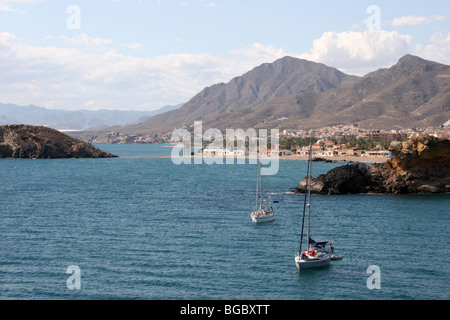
(293, 157)
(340, 158)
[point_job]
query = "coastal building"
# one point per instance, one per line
(376, 153)
(274, 152)
(325, 153)
(212, 152)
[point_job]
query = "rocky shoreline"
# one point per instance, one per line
(37, 142)
(419, 165)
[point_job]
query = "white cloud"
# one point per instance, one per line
(359, 52)
(71, 78)
(414, 20)
(79, 77)
(75, 77)
(184, 42)
(4, 7)
(83, 39)
(134, 46)
(260, 52)
(202, 3)
(436, 49)
(7, 39)
(5, 4)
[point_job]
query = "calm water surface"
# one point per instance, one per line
(141, 227)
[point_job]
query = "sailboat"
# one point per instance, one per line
(316, 254)
(263, 211)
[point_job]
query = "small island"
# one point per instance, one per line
(38, 142)
(418, 165)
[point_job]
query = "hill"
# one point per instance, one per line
(238, 97)
(73, 120)
(419, 165)
(293, 93)
(25, 141)
(413, 93)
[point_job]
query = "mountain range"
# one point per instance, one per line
(73, 120)
(293, 93)
(235, 103)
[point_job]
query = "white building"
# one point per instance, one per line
(223, 152)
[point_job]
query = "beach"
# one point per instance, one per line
(340, 158)
(297, 157)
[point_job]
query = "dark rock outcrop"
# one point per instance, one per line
(318, 159)
(37, 142)
(420, 165)
(352, 178)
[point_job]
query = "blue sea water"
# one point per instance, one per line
(141, 227)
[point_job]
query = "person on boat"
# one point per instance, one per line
(331, 248)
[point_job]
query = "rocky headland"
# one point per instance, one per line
(37, 142)
(418, 165)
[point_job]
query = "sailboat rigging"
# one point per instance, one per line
(316, 255)
(263, 211)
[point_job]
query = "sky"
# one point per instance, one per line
(146, 54)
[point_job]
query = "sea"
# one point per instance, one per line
(142, 227)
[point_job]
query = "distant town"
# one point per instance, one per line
(340, 140)
(349, 140)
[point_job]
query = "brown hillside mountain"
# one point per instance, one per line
(37, 142)
(283, 77)
(413, 93)
(293, 93)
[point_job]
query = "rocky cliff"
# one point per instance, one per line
(26, 141)
(419, 165)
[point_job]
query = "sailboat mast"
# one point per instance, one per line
(260, 187)
(309, 195)
(257, 189)
(308, 171)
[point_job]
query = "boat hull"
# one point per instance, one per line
(312, 263)
(262, 218)
(262, 215)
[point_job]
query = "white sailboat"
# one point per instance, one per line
(316, 255)
(263, 211)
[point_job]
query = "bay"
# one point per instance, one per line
(141, 227)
